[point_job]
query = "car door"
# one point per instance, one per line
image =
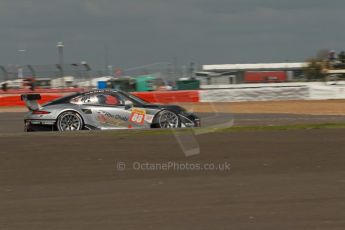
(126, 110)
(106, 111)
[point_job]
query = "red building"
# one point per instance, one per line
(265, 76)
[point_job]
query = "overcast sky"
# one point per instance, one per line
(139, 32)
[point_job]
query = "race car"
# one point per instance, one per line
(103, 110)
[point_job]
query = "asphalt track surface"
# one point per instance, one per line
(91, 180)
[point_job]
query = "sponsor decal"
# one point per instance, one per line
(85, 99)
(137, 116)
(149, 118)
(112, 119)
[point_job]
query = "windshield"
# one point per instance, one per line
(134, 98)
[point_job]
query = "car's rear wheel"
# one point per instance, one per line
(69, 121)
(168, 119)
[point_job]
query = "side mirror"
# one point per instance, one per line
(128, 104)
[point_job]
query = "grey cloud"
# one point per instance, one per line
(146, 31)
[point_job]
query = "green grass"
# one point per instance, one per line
(205, 130)
(285, 127)
(223, 130)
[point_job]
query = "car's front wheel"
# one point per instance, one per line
(69, 121)
(167, 119)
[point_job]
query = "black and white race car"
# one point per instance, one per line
(103, 110)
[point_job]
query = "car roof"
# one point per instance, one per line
(101, 91)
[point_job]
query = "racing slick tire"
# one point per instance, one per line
(69, 121)
(167, 119)
(27, 128)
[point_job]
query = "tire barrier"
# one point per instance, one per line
(153, 97)
(14, 100)
(255, 94)
(169, 96)
(307, 92)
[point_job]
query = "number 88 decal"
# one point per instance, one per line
(137, 116)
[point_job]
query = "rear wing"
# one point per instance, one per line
(31, 101)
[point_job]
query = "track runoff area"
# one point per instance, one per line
(277, 165)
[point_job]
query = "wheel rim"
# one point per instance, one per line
(70, 122)
(169, 120)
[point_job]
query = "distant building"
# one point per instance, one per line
(251, 73)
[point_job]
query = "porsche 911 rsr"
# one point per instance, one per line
(102, 110)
